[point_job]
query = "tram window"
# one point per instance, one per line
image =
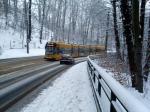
(55, 50)
(61, 50)
(49, 49)
(81, 49)
(75, 49)
(67, 50)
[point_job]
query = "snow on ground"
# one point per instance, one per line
(15, 53)
(12, 45)
(143, 97)
(69, 93)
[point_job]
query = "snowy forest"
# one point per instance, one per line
(122, 25)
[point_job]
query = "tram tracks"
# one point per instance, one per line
(12, 60)
(8, 65)
(7, 79)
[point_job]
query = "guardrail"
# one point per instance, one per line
(111, 96)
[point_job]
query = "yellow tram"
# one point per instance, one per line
(55, 50)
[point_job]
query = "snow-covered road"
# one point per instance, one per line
(71, 92)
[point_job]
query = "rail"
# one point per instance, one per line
(111, 96)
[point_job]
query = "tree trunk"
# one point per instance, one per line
(117, 41)
(142, 16)
(42, 23)
(146, 69)
(69, 30)
(29, 26)
(26, 24)
(64, 19)
(5, 3)
(129, 41)
(137, 44)
(106, 41)
(15, 13)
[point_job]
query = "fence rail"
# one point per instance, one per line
(110, 96)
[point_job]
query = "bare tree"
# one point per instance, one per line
(42, 21)
(117, 41)
(15, 12)
(5, 4)
(64, 19)
(146, 69)
(27, 13)
(142, 16)
(137, 44)
(106, 40)
(126, 15)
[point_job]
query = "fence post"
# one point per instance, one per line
(99, 88)
(113, 98)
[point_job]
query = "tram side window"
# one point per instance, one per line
(82, 50)
(86, 50)
(61, 50)
(75, 49)
(67, 50)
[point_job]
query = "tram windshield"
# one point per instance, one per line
(50, 49)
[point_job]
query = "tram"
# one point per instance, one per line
(55, 50)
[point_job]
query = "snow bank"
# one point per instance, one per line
(15, 53)
(69, 93)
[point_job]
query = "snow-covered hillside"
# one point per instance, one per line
(13, 44)
(11, 39)
(13, 32)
